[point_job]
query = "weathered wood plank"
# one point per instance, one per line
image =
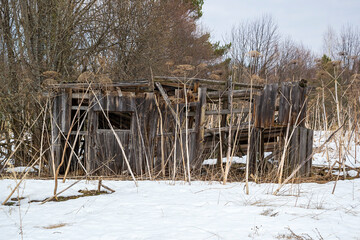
(293, 151)
(303, 104)
(257, 114)
(143, 83)
(309, 149)
(284, 104)
(214, 96)
(114, 102)
(256, 155)
(268, 106)
(303, 149)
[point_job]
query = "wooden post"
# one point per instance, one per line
(224, 105)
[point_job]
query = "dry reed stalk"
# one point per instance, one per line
(342, 162)
(53, 140)
(220, 142)
(337, 102)
(356, 141)
(236, 134)
(182, 154)
(161, 138)
(325, 122)
(187, 135)
(175, 141)
(316, 112)
(286, 145)
(249, 134)
(42, 137)
(143, 144)
(21, 141)
(21, 180)
(228, 153)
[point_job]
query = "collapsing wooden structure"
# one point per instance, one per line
(171, 125)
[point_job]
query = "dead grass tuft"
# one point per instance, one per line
(84, 193)
(52, 226)
(303, 236)
(269, 212)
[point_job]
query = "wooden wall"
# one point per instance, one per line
(275, 109)
(151, 151)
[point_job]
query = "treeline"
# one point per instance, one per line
(260, 54)
(133, 39)
(259, 49)
(122, 40)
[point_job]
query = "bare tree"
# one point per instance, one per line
(259, 37)
(294, 62)
(124, 39)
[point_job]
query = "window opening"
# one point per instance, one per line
(118, 120)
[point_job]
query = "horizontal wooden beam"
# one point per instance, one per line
(245, 85)
(225, 94)
(227, 111)
(206, 81)
(184, 79)
(222, 112)
(84, 108)
(143, 83)
(78, 95)
(80, 133)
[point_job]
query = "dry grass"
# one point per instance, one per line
(303, 236)
(84, 193)
(269, 212)
(53, 226)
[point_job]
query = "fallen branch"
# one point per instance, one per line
(107, 188)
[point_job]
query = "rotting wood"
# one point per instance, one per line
(143, 141)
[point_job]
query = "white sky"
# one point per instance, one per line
(303, 20)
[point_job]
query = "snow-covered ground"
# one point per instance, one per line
(21, 169)
(234, 159)
(202, 210)
(350, 150)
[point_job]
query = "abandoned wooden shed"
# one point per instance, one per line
(167, 125)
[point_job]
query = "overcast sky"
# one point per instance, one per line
(303, 20)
